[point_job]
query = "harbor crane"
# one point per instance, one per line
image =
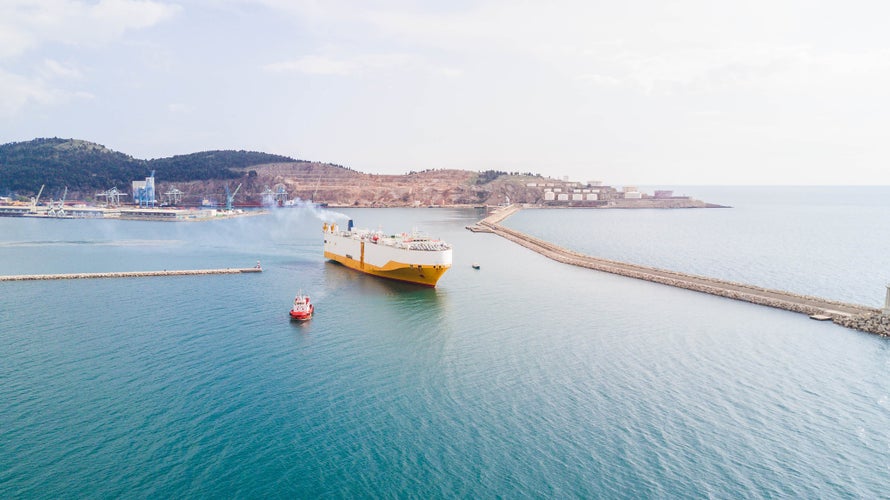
(36, 199)
(58, 210)
(174, 196)
(112, 196)
(230, 198)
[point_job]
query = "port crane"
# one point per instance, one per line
(174, 196)
(112, 196)
(37, 199)
(58, 210)
(230, 198)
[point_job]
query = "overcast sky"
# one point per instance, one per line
(627, 92)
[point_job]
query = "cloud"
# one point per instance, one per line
(325, 65)
(599, 80)
(54, 69)
(314, 65)
(650, 47)
(29, 24)
(750, 67)
(178, 108)
(19, 91)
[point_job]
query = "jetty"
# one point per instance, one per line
(130, 274)
(859, 317)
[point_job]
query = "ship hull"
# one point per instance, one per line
(411, 266)
(419, 274)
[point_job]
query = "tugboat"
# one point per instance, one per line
(302, 309)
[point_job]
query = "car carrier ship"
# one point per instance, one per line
(410, 257)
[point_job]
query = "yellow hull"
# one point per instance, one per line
(421, 275)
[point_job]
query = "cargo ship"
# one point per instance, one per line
(410, 257)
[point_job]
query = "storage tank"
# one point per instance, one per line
(577, 197)
(549, 196)
(563, 197)
(592, 197)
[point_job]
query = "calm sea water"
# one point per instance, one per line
(523, 378)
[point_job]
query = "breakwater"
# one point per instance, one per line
(854, 316)
(129, 274)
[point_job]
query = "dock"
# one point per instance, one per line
(859, 317)
(129, 274)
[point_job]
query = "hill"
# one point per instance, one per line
(85, 167)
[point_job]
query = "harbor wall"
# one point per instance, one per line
(133, 274)
(853, 316)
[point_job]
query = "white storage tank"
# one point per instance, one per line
(633, 195)
(592, 197)
(549, 196)
(563, 197)
(577, 197)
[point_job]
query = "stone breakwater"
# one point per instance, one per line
(867, 319)
(134, 274)
(872, 323)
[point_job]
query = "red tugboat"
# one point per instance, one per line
(302, 309)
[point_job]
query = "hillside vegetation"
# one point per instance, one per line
(86, 167)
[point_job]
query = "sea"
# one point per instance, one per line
(525, 378)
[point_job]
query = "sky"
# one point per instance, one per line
(636, 92)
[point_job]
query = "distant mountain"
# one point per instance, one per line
(86, 166)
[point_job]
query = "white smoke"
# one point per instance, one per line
(315, 210)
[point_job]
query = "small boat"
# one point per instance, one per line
(475, 265)
(303, 308)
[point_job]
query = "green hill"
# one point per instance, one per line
(85, 166)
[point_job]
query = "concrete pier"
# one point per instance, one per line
(133, 274)
(859, 317)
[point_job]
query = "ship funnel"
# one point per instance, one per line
(349, 225)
